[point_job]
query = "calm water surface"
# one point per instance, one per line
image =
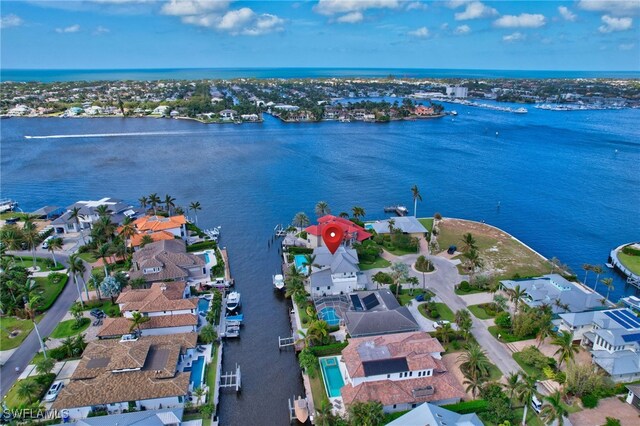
(568, 185)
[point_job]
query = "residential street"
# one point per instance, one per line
(25, 352)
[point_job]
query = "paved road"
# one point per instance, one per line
(442, 283)
(25, 352)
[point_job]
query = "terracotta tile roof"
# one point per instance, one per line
(390, 392)
(115, 327)
(136, 239)
(415, 347)
(156, 299)
(153, 360)
(170, 256)
(348, 227)
(172, 290)
(159, 223)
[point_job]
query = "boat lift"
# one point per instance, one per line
(284, 342)
(231, 379)
(279, 231)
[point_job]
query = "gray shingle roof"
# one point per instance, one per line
(387, 317)
(137, 418)
(431, 414)
(407, 224)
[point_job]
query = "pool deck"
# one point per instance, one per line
(337, 403)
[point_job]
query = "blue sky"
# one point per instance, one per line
(538, 35)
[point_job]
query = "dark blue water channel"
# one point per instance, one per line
(568, 185)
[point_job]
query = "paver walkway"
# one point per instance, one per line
(608, 407)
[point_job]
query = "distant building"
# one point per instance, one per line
(423, 111)
(118, 210)
(228, 114)
(161, 110)
(406, 224)
(433, 415)
(457, 91)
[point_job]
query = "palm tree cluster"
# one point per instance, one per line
(475, 366)
(166, 205)
(472, 260)
(17, 288)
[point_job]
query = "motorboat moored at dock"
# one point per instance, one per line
(278, 282)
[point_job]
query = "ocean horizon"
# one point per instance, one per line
(64, 75)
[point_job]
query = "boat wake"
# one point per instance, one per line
(107, 135)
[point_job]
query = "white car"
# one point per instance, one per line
(53, 391)
(440, 323)
(536, 404)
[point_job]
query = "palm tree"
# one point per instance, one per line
(391, 222)
(525, 391)
(416, 197)
(473, 261)
(300, 220)
(199, 393)
(195, 206)
(322, 208)
(324, 414)
(127, 230)
(318, 330)
(11, 238)
(464, 322)
(76, 266)
(309, 263)
(500, 302)
(553, 410)
(31, 237)
(468, 242)
(511, 386)
(169, 203)
(75, 215)
(27, 388)
(154, 200)
(586, 267)
(597, 269)
(474, 362)
(555, 263)
(137, 319)
(344, 215)
(546, 330)
(143, 202)
(366, 413)
(474, 384)
(53, 245)
(146, 239)
(566, 347)
(358, 212)
(31, 306)
(103, 252)
(608, 282)
(104, 229)
(103, 210)
(515, 295)
(68, 346)
(45, 365)
(444, 332)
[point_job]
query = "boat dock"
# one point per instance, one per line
(397, 209)
(632, 279)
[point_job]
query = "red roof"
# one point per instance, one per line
(348, 227)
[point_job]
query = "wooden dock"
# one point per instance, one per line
(225, 258)
(397, 209)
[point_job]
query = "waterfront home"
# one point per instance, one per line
(284, 107)
(19, 110)
(423, 111)
(156, 325)
(164, 417)
(433, 415)
(372, 313)
(160, 110)
(163, 298)
(117, 375)
(557, 292)
(47, 212)
(118, 210)
(400, 370)
(168, 260)
(250, 117)
(613, 338)
(406, 224)
(228, 114)
(336, 273)
(352, 232)
(158, 228)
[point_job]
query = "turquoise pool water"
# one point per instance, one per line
(197, 368)
(332, 376)
(299, 261)
(206, 257)
(368, 226)
(330, 316)
(203, 305)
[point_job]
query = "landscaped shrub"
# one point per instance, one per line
(299, 250)
(203, 245)
(423, 264)
(475, 406)
(434, 314)
(326, 350)
(589, 400)
(333, 328)
(533, 357)
(368, 251)
(464, 286)
(503, 319)
(631, 251)
(378, 239)
(303, 235)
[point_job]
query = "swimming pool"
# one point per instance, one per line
(299, 259)
(330, 316)
(206, 257)
(203, 305)
(368, 226)
(197, 368)
(332, 376)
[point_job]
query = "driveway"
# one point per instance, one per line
(24, 353)
(609, 407)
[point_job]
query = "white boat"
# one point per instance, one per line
(233, 301)
(7, 205)
(278, 281)
(521, 111)
(454, 112)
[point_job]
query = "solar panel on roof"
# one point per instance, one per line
(355, 301)
(614, 316)
(385, 366)
(630, 317)
(371, 301)
(629, 338)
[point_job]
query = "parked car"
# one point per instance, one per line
(536, 404)
(97, 313)
(53, 391)
(440, 323)
(45, 243)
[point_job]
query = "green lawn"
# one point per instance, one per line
(427, 222)
(532, 418)
(399, 252)
(379, 263)
(41, 262)
(318, 390)
(304, 317)
(506, 336)
(471, 291)
(494, 373)
(50, 290)
(529, 369)
(211, 374)
(443, 310)
(407, 295)
(67, 328)
(479, 312)
(111, 309)
(13, 401)
(88, 257)
(9, 215)
(631, 262)
(10, 324)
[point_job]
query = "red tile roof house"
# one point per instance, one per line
(352, 232)
(166, 304)
(400, 370)
(168, 260)
(158, 228)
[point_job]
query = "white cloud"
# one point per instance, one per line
(70, 29)
(10, 20)
(454, 4)
(475, 10)
(514, 37)
(422, 32)
(243, 21)
(612, 24)
(350, 18)
(566, 14)
(627, 46)
(524, 20)
(614, 7)
(417, 5)
(463, 29)
(101, 30)
(333, 7)
(193, 7)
